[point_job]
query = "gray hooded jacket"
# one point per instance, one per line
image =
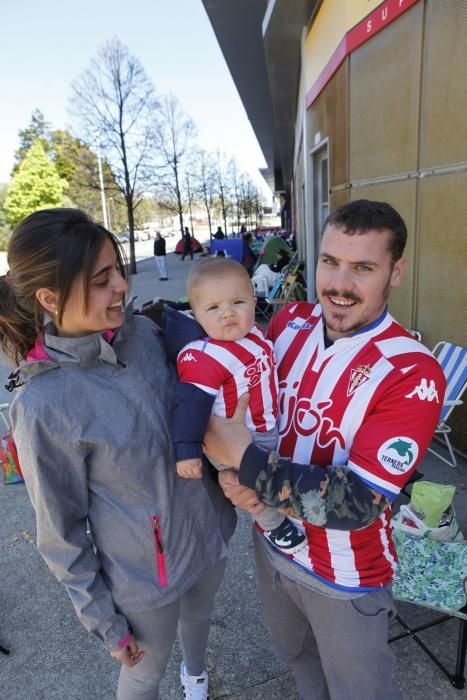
(91, 428)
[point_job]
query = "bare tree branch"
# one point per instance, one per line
(114, 101)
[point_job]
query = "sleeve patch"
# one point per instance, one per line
(398, 454)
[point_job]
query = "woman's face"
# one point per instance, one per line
(106, 303)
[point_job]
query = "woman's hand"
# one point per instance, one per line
(227, 438)
(241, 496)
(130, 655)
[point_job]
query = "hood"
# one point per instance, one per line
(52, 351)
(179, 329)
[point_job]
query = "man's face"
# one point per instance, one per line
(354, 276)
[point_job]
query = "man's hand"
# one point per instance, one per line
(241, 496)
(130, 655)
(190, 468)
(227, 438)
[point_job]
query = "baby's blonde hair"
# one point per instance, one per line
(214, 267)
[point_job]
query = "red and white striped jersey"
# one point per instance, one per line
(370, 402)
(228, 369)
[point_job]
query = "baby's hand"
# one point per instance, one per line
(189, 468)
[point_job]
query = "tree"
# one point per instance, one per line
(77, 164)
(146, 211)
(5, 230)
(114, 102)
(222, 189)
(35, 185)
(38, 130)
(206, 183)
(175, 133)
(235, 188)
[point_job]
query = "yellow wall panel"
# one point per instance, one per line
(335, 24)
(336, 199)
(325, 35)
(328, 116)
(384, 99)
(402, 196)
(443, 137)
(442, 299)
(442, 285)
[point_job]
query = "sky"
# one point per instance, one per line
(46, 44)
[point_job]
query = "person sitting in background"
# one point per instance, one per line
(271, 272)
(250, 258)
(283, 259)
(219, 235)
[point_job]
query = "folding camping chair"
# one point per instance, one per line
(287, 288)
(265, 296)
(433, 575)
(453, 360)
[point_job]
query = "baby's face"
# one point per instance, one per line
(224, 306)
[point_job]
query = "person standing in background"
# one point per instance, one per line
(159, 254)
(187, 248)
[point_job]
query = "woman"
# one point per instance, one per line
(138, 550)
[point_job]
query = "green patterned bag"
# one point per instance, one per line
(430, 572)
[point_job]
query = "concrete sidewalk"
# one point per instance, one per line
(53, 658)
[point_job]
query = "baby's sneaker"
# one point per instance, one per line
(194, 687)
(287, 537)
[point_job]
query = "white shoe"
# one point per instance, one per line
(194, 687)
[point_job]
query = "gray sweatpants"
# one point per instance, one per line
(270, 517)
(155, 631)
(337, 649)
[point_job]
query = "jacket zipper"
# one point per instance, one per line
(159, 547)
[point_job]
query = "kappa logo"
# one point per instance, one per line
(425, 391)
(398, 454)
(358, 377)
(188, 357)
(297, 327)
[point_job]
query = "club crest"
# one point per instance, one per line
(357, 377)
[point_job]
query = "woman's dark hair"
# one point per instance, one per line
(50, 248)
(363, 215)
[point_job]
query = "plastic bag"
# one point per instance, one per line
(10, 462)
(430, 500)
(448, 529)
(12, 473)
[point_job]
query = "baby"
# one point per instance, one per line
(227, 356)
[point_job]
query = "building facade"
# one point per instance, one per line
(355, 99)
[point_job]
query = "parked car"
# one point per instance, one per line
(123, 236)
(141, 235)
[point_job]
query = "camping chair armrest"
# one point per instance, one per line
(453, 402)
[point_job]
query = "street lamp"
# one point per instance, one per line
(101, 182)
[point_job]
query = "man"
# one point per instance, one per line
(187, 247)
(351, 395)
(160, 255)
(219, 235)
